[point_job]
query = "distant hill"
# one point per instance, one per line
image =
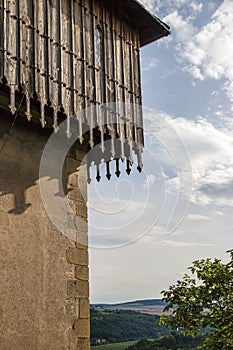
(114, 326)
(149, 306)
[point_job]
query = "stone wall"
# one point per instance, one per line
(44, 289)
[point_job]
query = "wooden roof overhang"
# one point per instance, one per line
(150, 27)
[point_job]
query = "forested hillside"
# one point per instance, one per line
(122, 325)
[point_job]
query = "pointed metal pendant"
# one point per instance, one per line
(108, 176)
(98, 177)
(118, 173)
(139, 155)
(88, 174)
(139, 169)
(128, 170)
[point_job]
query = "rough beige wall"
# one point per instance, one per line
(44, 289)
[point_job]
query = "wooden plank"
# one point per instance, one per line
(2, 37)
(66, 57)
(54, 34)
(83, 57)
(77, 62)
(10, 62)
(40, 57)
(78, 66)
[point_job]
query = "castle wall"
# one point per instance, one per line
(44, 289)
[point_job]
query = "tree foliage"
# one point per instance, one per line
(171, 342)
(204, 299)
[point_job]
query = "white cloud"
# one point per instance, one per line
(197, 217)
(182, 28)
(179, 244)
(162, 8)
(149, 182)
(150, 63)
(211, 152)
(196, 6)
(211, 155)
(228, 88)
(206, 52)
(149, 4)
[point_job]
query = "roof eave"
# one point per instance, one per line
(153, 38)
(151, 28)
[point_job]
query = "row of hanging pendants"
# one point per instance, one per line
(108, 170)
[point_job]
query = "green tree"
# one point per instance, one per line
(204, 299)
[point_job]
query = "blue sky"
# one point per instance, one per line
(146, 229)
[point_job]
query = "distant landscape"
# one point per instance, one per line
(134, 326)
(115, 326)
(149, 306)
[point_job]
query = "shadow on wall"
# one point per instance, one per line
(10, 179)
(21, 148)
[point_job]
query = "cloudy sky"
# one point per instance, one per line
(146, 229)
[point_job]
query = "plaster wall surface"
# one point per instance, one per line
(44, 289)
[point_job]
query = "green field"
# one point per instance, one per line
(118, 346)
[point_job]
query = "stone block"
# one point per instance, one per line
(82, 328)
(84, 308)
(77, 289)
(83, 344)
(77, 256)
(81, 240)
(81, 209)
(73, 179)
(76, 194)
(81, 273)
